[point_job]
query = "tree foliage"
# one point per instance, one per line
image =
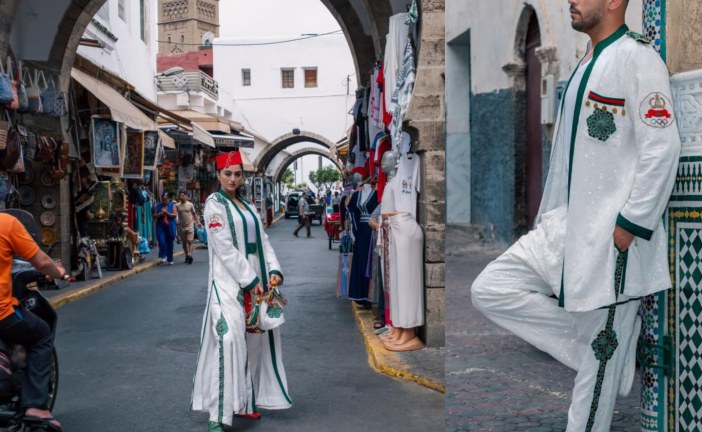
(325, 176)
(288, 178)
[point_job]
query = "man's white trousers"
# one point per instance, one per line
(516, 292)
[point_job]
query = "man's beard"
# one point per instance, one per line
(588, 21)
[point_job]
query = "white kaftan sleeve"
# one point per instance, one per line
(219, 236)
(657, 143)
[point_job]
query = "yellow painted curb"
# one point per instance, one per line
(69, 297)
(384, 361)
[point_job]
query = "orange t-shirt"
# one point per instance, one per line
(14, 241)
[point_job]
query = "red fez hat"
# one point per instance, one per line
(228, 159)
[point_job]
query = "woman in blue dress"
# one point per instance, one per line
(165, 228)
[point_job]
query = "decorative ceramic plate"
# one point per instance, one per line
(48, 201)
(47, 218)
(47, 180)
(26, 195)
(47, 235)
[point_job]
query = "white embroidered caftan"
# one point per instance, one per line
(237, 372)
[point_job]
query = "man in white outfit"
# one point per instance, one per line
(572, 285)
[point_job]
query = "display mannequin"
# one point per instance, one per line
(360, 207)
(402, 260)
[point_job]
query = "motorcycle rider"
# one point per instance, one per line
(20, 326)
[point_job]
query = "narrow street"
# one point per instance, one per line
(127, 354)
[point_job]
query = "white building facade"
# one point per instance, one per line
(126, 29)
(278, 85)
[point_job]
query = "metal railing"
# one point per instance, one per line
(189, 81)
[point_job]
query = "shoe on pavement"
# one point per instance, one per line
(253, 416)
(215, 427)
(629, 370)
(161, 260)
(295, 235)
(170, 262)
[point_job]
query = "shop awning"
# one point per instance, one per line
(233, 140)
(121, 109)
(201, 135)
(166, 140)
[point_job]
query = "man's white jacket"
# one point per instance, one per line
(617, 167)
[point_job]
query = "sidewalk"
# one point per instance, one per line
(425, 366)
(80, 289)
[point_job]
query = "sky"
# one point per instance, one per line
(265, 18)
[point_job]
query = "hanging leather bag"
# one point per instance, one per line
(6, 94)
(33, 94)
(53, 100)
(13, 149)
(22, 90)
(14, 103)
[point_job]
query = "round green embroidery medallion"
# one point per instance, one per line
(600, 124)
(222, 327)
(605, 344)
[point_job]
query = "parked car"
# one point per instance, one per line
(291, 204)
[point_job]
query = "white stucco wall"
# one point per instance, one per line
(130, 58)
(493, 35)
(264, 106)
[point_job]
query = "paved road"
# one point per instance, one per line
(494, 380)
(128, 354)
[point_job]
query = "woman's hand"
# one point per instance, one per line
(274, 281)
(258, 289)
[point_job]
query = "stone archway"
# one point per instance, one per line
(282, 142)
(280, 169)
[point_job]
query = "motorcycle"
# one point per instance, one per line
(26, 282)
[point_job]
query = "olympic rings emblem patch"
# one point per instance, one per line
(656, 111)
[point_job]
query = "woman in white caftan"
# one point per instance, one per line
(238, 371)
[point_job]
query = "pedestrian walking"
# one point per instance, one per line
(238, 370)
(187, 217)
(303, 217)
(269, 211)
(599, 243)
(165, 215)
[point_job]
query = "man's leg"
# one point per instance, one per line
(27, 329)
(599, 374)
(515, 292)
(308, 223)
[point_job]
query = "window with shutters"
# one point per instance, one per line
(246, 77)
(311, 77)
(288, 77)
